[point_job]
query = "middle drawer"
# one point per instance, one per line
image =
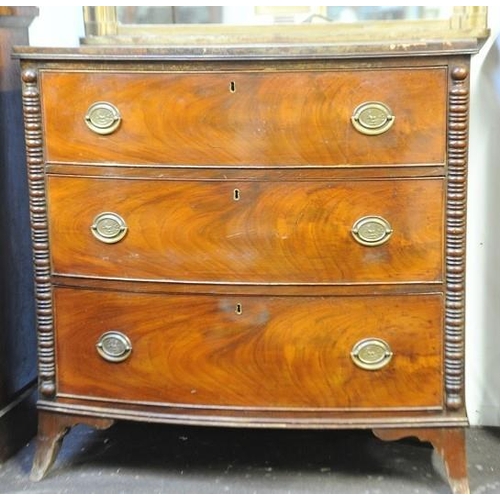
(247, 232)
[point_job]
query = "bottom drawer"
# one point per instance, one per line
(251, 352)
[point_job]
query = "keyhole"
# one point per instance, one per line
(232, 87)
(238, 309)
(236, 195)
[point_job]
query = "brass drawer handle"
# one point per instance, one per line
(372, 118)
(371, 230)
(114, 346)
(109, 227)
(371, 354)
(103, 118)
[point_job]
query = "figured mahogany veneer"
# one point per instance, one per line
(275, 232)
(246, 118)
(242, 287)
(251, 352)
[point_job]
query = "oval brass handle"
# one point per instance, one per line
(103, 118)
(114, 346)
(371, 354)
(372, 118)
(109, 227)
(371, 230)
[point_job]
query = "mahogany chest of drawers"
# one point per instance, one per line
(245, 239)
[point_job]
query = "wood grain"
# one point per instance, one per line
(278, 353)
(284, 232)
(279, 118)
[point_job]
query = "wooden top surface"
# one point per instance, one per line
(254, 51)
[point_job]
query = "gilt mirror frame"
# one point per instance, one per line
(102, 27)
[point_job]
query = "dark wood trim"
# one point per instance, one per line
(243, 289)
(167, 172)
(256, 51)
(257, 419)
(39, 230)
(455, 236)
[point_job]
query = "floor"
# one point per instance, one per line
(154, 458)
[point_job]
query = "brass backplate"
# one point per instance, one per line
(114, 346)
(372, 118)
(103, 118)
(109, 227)
(371, 354)
(371, 230)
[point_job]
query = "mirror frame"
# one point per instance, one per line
(102, 27)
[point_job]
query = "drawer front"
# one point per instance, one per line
(271, 352)
(246, 118)
(248, 232)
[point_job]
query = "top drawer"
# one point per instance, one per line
(248, 118)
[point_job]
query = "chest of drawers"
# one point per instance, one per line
(245, 240)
